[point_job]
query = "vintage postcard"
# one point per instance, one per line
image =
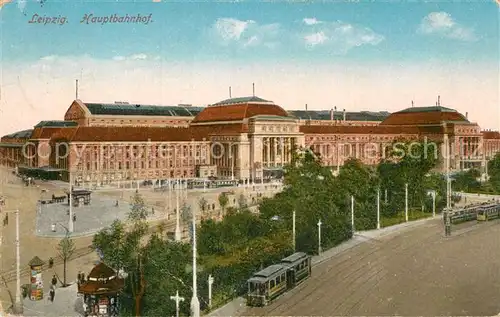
(236, 158)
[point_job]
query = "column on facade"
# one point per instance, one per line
(268, 145)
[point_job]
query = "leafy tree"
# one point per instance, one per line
(494, 172)
(203, 204)
(242, 201)
(65, 248)
(310, 190)
(223, 201)
(138, 208)
(407, 162)
(466, 181)
(165, 268)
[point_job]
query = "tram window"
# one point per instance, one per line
(283, 277)
(278, 280)
(272, 284)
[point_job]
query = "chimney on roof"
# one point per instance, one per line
(467, 115)
(230, 92)
(344, 115)
(76, 92)
(439, 101)
(253, 89)
(412, 104)
(331, 115)
(306, 106)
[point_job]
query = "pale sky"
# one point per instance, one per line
(365, 56)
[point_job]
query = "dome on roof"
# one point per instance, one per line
(424, 116)
(237, 109)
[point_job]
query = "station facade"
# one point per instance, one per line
(246, 138)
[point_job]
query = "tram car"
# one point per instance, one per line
(271, 282)
(488, 212)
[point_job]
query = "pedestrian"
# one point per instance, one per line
(79, 278)
(54, 280)
(83, 277)
(74, 217)
(52, 294)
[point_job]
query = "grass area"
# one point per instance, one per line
(400, 217)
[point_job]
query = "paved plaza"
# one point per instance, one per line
(100, 213)
(66, 303)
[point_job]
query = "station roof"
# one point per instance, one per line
(56, 124)
(425, 116)
(491, 135)
(377, 129)
(142, 110)
(24, 134)
(237, 109)
(338, 115)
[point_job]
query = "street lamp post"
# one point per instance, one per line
(18, 305)
(70, 223)
(210, 283)
(319, 237)
(434, 203)
(352, 214)
(177, 213)
(293, 230)
(195, 303)
(378, 208)
(177, 300)
(406, 202)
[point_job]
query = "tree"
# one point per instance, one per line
(242, 201)
(138, 208)
(466, 180)
(65, 248)
(203, 203)
(494, 172)
(223, 201)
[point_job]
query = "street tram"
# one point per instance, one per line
(271, 282)
(298, 268)
(488, 212)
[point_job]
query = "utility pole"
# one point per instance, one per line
(177, 214)
(18, 305)
(293, 230)
(210, 283)
(378, 208)
(406, 202)
(195, 303)
(177, 300)
(434, 204)
(352, 215)
(70, 223)
(319, 237)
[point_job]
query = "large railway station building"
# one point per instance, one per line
(246, 138)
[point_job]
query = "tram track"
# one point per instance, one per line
(356, 270)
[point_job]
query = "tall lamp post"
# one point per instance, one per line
(293, 230)
(70, 223)
(378, 208)
(177, 300)
(210, 283)
(18, 305)
(352, 214)
(406, 202)
(434, 203)
(195, 303)
(177, 213)
(319, 236)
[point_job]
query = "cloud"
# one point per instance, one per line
(442, 24)
(135, 57)
(310, 21)
(249, 33)
(338, 36)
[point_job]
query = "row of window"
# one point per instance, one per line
(141, 164)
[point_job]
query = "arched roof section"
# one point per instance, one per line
(238, 109)
(425, 116)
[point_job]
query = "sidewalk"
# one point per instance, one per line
(239, 304)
